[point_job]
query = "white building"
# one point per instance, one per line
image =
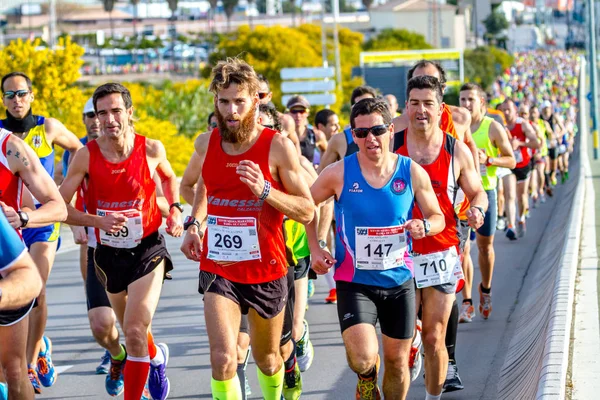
(439, 23)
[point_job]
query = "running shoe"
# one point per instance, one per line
(453, 382)
(554, 181)
(104, 365)
(158, 382)
(510, 234)
(35, 381)
(521, 229)
(534, 203)
(45, 367)
(114, 380)
(311, 288)
(467, 313)
(542, 198)
(485, 304)
(472, 235)
(3, 391)
(292, 384)
(304, 350)
(146, 393)
(549, 191)
(501, 224)
(415, 360)
(565, 177)
(332, 298)
(367, 388)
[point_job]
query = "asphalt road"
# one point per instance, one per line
(180, 323)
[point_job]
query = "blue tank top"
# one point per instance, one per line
(361, 205)
(351, 146)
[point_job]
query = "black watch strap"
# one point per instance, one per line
(189, 221)
(481, 210)
(178, 205)
(24, 218)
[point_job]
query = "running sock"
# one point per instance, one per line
(432, 397)
(151, 347)
(121, 355)
(452, 330)
(468, 301)
(226, 390)
(329, 279)
(241, 374)
(290, 363)
(271, 386)
(135, 376)
(371, 375)
(547, 179)
(484, 290)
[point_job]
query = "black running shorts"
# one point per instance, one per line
(267, 299)
(118, 268)
(394, 308)
(11, 317)
(94, 290)
(288, 318)
(522, 173)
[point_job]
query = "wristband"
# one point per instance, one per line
(480, 210)
(266, 191)
(177, 205)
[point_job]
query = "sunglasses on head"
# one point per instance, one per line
(262, 95)
(20, 93)
(90, 114)
(376, 130)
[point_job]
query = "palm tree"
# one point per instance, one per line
(367, 4)
(135, 3)
(173, 8)
(109, 5)
(229, 8)
(211, 16)
(249, 10)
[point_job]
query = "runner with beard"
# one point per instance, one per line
(241, 249)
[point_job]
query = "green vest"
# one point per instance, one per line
(544, 148)
(482, 140)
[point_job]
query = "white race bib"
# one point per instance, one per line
(129, 236)
(380, 249)
(518, 155)
(437, 268)
(482, 169)
(232, 239)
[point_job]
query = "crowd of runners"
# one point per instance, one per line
(278, 199)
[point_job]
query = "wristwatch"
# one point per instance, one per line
(480, 210)
(178, 205)
(24, 218)
(322, 244)
(189, 221)
(489, 161)
(426, 226)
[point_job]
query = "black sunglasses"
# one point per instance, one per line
(376, 130)
(10, 94)
(262, 95)
(268, 126)
(90, 114)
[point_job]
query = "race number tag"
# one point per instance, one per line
(380, 249)
(518, 155)
(129, 236)
(482, 169)
(232, 239)
(437, 268)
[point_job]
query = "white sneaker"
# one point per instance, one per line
(304, 350)
(415, 361)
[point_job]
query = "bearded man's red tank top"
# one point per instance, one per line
(123, 186)
(244, 238)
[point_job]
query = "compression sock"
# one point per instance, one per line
(271, 386)
(451, 331)
(135, 376)
(226, 390)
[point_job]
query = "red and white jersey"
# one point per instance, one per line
(11, 186)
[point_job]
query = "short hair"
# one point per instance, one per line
(234, 70)
(361, 91)
(15, 74)
(210, 116)
(110, 88)
(271, 111)
(476, 87)
(262, 78)
(371, 106)
(323, 116)
(426, 82)
(425, 63)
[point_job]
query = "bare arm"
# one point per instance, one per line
(190, 177)
(289, 127)
(23, 162)
(161, 201)
(426, 200)
(529, 132)
(470, 183)
(61, 136)
(20, 283)
(500, 140)
(75, 176)
(321, 141)
(333, 151)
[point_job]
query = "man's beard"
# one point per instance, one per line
(242, 132)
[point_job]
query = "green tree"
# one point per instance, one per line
(396, 39)
(495, 23)
(484, 64)
(229, 7)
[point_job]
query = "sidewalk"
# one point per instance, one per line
(585, 361)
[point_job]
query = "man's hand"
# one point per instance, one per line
(482, 156)
(11, 215)
(192, 244)
(475, 218)
(79, 234)
(321, 261)
(516, 143)
(252, 176)
(112, 223)
(416, 228)
(174, 224)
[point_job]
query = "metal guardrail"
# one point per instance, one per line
(537, 357)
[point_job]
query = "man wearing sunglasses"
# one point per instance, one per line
(310, 139)
(449, 164)
(41, 134)
(375, 191)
